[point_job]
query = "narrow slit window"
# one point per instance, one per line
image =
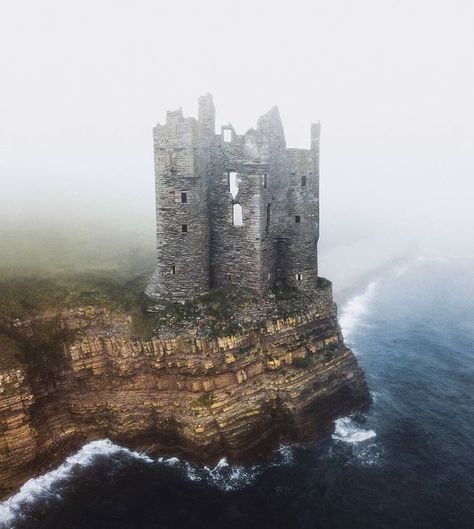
(303, 180)
(299, 277)
(297, 219)
(229, 277)
(267, 224)
(173, 269)
(227, 135)
(184, 228)
(233, 185)
(184, 197)
(265, 181)
(237, 219)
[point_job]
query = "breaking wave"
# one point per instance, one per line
(224, 476)
(348, 431)
(356, 309)
(48, 485)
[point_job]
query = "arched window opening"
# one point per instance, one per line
(237, 219)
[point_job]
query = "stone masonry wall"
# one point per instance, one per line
(278, 191)
(182, 220)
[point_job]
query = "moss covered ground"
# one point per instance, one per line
(52, 270)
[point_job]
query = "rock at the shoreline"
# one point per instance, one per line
(238, 395)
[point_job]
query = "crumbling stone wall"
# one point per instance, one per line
(278, 191)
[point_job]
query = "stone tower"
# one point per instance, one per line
(231, 209)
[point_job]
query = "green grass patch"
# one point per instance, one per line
(324, 283)
(205, 400)
(52, 269)
(301, 363)
(212, 314)
(330, 352)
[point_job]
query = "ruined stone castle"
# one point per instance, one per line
(233, 209)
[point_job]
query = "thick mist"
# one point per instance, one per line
(82, 85)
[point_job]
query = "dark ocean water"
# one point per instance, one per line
(406, 463)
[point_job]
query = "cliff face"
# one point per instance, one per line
(238, 395)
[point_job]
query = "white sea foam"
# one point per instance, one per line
(348, 432)
(355, 310)
(229, 477)
(170, 461)
(47, 485)
(375, 395)
(286, 453)
(223, 476)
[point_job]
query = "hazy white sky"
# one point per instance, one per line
(83, 83)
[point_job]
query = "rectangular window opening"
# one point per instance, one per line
(303, 180)
(267, 224)
(297, 219)
(173, 269)
(233, 184)
(299, 277)
(227, 135)
(184, 197)
(229, 277)
(265, 181)
(184, 228)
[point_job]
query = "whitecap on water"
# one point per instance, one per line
(349, 432)
(223, 476)
(363, 448)
(170, 461)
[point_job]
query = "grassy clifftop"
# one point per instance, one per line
(42, 271)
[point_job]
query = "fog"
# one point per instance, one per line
(83, 83)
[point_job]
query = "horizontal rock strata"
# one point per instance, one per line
(237, 396)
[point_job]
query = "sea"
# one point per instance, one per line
(407, 462)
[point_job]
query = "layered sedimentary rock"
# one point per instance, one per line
(238, 395)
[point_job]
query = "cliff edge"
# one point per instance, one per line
(234, 380)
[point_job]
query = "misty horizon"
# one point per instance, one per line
(83, 86)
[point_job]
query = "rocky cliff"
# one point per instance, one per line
(75, 375)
